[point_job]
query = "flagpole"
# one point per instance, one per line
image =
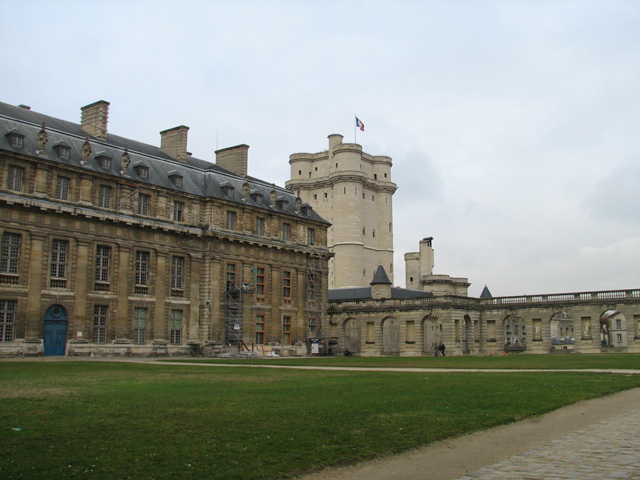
(355, 128)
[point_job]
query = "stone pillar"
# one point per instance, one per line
(194, 297)
(35, 317)
(160, 332)
(123, 316)
(82, 321)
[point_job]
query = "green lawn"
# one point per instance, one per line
(102, 420)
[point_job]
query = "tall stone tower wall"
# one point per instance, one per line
(352, 190)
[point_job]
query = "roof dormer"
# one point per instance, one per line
(16, 139)
(176, 178)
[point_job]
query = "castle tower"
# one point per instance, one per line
(352, 190)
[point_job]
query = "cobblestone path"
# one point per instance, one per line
(606, 450)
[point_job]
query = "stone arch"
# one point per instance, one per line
(431, 334)
(515, 334)
(562, 329)
(352, 334)
(390, 336)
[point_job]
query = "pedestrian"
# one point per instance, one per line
(441, 348)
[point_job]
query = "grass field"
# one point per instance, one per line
(107, 420)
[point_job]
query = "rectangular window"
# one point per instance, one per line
(260, 285)
(491, 330)
(100, 315)
(17, 141)
(62, 188)
(312, 326)
(176, 327)
(260, 226)
(177, 276)
(59, 258)
(142, 272)
(286, 232)
(178, 211)
(104, 196)
(231, 276)
(143, 204)
(371, 330)
(619, 337)
(15, 179)
(618, 323)
(286, 287)
(286, 330)
(411, 332)
(260, 329)
(7, 320)
(231, 220)
(636, 319)
(10, 257)
(103, 265)
(139, 325)
(310, 236)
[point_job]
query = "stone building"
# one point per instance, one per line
(113, 246)
(354, 192)
(382, 320)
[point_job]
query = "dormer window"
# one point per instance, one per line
(175, 178)
(305, 208)
(142, 170)
(15, 138)
(62, 150)
(227, 189)
(256, 196)
(103, 160)
(282, 203)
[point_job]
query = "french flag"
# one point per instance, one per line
(359, 124)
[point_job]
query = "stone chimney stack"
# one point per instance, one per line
(335, 139)
(174, 142)
(94, 119)
(235, 159)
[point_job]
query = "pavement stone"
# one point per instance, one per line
(606, 450)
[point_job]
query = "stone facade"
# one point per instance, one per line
(353, 191)
(112, 246)
(409, 322)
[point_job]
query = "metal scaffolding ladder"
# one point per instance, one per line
(314, 311)
(237, 290)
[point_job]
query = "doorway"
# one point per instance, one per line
(55, 331)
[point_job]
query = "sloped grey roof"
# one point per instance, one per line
(380, 277)
(486, 293)
(199, 177)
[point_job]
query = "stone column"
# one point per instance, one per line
(35, 324)
(160, 331)
(82, 320)
(194, 298)
(123, 316)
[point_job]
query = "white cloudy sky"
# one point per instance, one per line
(514, 126)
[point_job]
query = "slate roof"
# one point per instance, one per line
(199, 177)
(364, 293)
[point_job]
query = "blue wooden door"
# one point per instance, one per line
(55, 330)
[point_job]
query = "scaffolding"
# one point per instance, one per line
(318, 340)
(236, 291)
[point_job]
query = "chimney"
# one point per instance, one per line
(335, 139)
(235, 159)
(174, 142)
(94, 119)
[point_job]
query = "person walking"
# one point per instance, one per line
(441, 348)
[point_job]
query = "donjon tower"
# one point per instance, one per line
(352, 190)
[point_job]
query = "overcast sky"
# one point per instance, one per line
(514, 126)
